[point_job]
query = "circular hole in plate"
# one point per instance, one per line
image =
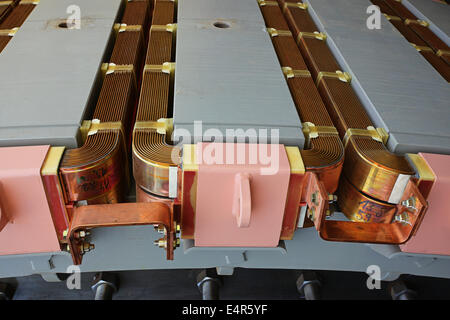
(221, 24)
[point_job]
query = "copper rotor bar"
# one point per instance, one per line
(116, 215)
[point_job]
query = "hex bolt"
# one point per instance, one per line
(399, 291)
(308, 285)
(105, 285)
(209, 283)
(161, 243)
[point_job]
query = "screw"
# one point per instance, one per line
(410, 203)
(311, 212)
(162, 243)
(314, 198)
(86, 247)
(332, 197)
(65, 233)
(176, 242)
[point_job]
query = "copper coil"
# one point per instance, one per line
(361, 208)
(4, 41)
(317, 55)
(384, 7)
(152, 158)
(408, 33)
(98, 171)
(159, 47)
(274, 18)
(17, 16)
(128, 49)
(136, 13)
(298, 19)
(423, 32)
(163, 12)
(441, 65)
(155, 96)
(325, 153)
(446, 58)
(288, 53)
(143, 196)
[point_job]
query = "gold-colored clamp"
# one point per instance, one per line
(166, 67)
(290, 73)
(5, 3)
(421, 48)
(423, 23)
(162, 126)
(441, 53)
(300, 5)
(108, 68)
(263, 3)
(170, 27)
(312, 35)
(9, 32)
(91, 127)
(311, 131)
(29, 2)
(343, 76)
(122, 27)
(377, 134)
(394, 18)
(274, 32)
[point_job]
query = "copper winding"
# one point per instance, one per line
(432, 55)
(98, 171)
(152, 153)
(12, 15)
(323, 152)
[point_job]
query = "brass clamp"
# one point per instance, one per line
(394, 18)
(300, 5)
(274, 32)
(343, 76)
(290, 73)
(263, 3)
(122, 27)
(312, 35)
(441, 53)
(423, 23)
(29, 2)
(311, 131)
(108, 68)
(5, 3)
(92, 127)
(9, 32)
(162, 125)
(166, 67)
(422, 48)
(170, 27)
(377, 134)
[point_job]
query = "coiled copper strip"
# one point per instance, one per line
(325, 153)
(152, 154)
(347, 112)
(439, 64)
(17, 16)
(98, 171)
(136, 13)
(419, 27)
(4, 41)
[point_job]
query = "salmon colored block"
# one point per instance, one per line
(240, 204)
(433, 235)
(26, 224)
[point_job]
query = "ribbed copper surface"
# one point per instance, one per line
(4, 41)
(163, 12)
(368, 165)
(17, 16)
(98, 171)
(325, 153)
(152, 153)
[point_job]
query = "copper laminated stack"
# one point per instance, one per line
(98, 171)
(153, 156)
(12, 15)
(433, 49)
(324, 153)
(371, 172)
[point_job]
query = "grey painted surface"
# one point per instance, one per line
(230, 78)
(400, 90)
(131, 248)
(437, 14)
(50, 72)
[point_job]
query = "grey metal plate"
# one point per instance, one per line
(229, 78)
(400, 90)
(48, 72)
(437, 14)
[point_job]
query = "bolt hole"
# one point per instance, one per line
(221, 24)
